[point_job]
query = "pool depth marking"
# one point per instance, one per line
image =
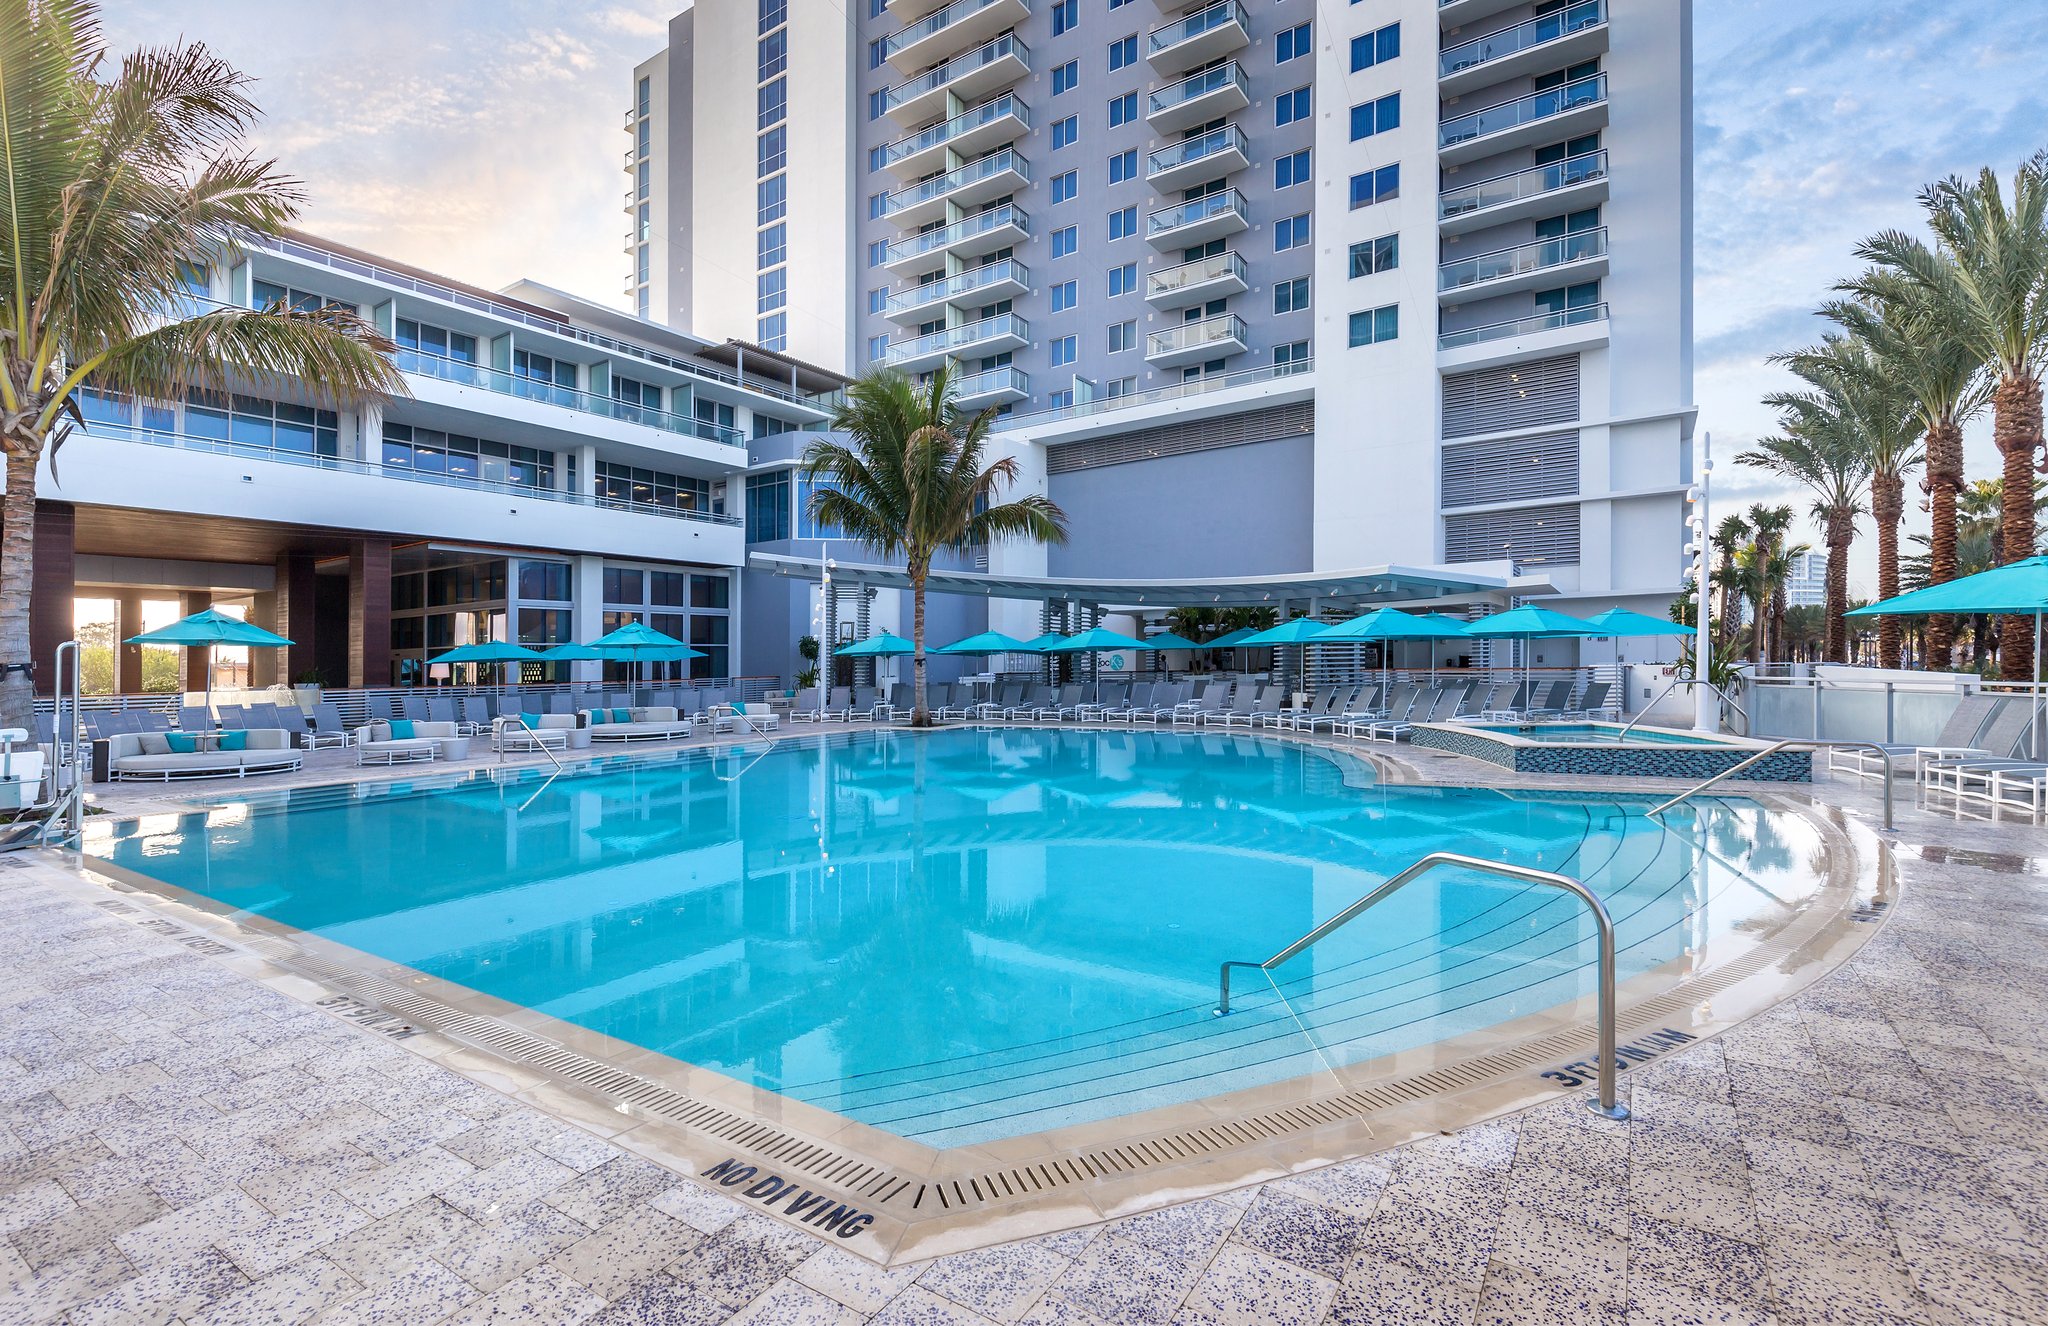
(816, 1209)
(1634, 1054)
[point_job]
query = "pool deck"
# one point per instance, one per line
(182, 1143)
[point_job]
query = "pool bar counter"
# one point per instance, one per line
(1597, 750)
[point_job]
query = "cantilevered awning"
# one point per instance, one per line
(1367, 587)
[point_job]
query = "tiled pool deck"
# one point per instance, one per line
(184, 1144)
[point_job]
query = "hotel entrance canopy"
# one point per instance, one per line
(1360, 590)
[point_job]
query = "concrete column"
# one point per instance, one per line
(292, 615)
(369, 612)
(127, 657)
(586, 470)
(195, 658)
(369, 440)
(53, 593)
(586, 612)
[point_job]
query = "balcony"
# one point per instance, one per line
(989, 125)
(1451, 15)
(995, 386)
(946, 31)
(1000, 172)
(1562, 186)
(975, 74)
(1568, 258)
(1210, 156)
(1197, 282)
(1194, 342)
(583, 402)
(1001, 279)
(1197, 38)
(1197, 222)
(1576, 32)
(969, 237)
(1560, 112)
(1192, 101)
(905, 11)
(1519, 327)
(1005, 331)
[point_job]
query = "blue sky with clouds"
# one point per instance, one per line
(483, 140)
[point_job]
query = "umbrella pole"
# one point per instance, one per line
(2037, 685)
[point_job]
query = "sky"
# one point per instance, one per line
(484, 141)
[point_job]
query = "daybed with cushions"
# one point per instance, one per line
(654, 723)
(398, 741)
(527, 732)
(166, 755)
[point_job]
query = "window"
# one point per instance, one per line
(245, 421)
(1375, 47)
(1292, 169)
(1064, 348)
(1583, 295)
(878, 206)
(772, 101)
(1292, 44)
(1065, 185)
(1123, 280)
(543, 368)
(430, 340)
(1375, 325)
(1123, 336)
(773, 331)
(1123, 51)
(771, 290)
(878, 300)
(1124, 109)
(1294, 352)
(431, 451)
(262, 294)
(878, 348)
(772, 151)
(1376, 186)
(1064, 296)
(771, 200)
(1064, 241)
(1065, 14)
(1121, 387)
(1291, 106)
(1060, 400)
(768, 507)
(771, 246)
(773, 14)
(1376, 117)
(1123, 166)
(1065, 76)
(1290, 232)
(1376, 255)
(878, 252)
(773, 55)
(1123, 223)
(1290, 296)
(618, 483)
(878, 103)
(1064, 132)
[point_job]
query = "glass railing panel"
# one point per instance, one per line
(1523, 258)
(980, 278)
(1195, 149)
(1195, 24)
(1176, 391)
(1529, 326)
(1200, 85)
(990, 381)
(960, 66)
(931, 24)
(953, 338)
(1523, 110)
(996, 163)
(1212, 205)
(1192, 335)
(1493, 46)
(1503, 189)
(1199, 272)
(980, 223)
(965, 121)
(569, 398)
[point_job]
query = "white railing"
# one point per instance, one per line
(967, 282)
(1169, 219)
(955, 338)
(1178, 391)
(1169, 35)
(1517, 185)
(931, 80)
(945, 131)
(933, 241)
(1495, 45)
(569, 398)
(1522, 110)
(1529, 326)
(1200, 147)
(925, 191)
(1198, 85)
(1522, 259)
(931, 25)
(1199, 272)
(1196, 335)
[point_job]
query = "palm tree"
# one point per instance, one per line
(110, 192)
(1834, 467)
(913, 479)
(1917, 344)
(1849, 388)
(1772, 568)
(1988, 271)
(1730, 537)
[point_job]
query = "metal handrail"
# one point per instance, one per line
(1791, 744)
(1726, 699)
(1606, 1104)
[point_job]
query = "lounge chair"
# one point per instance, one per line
(475, 714)
(1196, 712)
(1556, 702)
(442, 709)
(804, 708)
(381, 743)
(958, 703)
(530, 732)
(838, 704)
(1059, 704)
(195, 718)
(1000, 697)
(327, 727)
(1137, 697)
(628, 724)
(1344, 708)
(233, 718)
(861, 708)
(1956, 740)
(1035, 696)
(1593, 704)
(1243, 708)
(381, 706)
(151, 756)
(415, 708)
(1394, 727)
(1512, 710)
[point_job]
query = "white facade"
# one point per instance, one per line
(1807, 586)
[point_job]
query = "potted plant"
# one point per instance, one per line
(807, 650)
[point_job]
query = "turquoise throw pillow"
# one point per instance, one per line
(622, 715)
(600, 716)
(401, 729)
(234, 741)
(531, 722)
(182, 743)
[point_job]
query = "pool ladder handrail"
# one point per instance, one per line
(1605, 1103)
(1726, 699)
(1793, 743)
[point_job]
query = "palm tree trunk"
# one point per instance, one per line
(1944, 480)
(2017, 431)
(919, 715)
(1839, 534)
(1887, 508)
(17, 578)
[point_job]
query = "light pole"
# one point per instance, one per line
(1706, 702)
(829, 625)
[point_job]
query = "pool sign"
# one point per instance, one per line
(1116, 662)
(786, 1198)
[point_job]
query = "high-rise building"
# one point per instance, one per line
(1258, 288)
(1807, 586)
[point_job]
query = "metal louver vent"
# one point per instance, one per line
(1511, 470)
(1494, 400)
(1538, 536)
(1230, 430)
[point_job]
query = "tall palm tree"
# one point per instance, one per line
(109, 191)
(1767, 553)
(1849, 388)
(1988, 270)
(1917, 344)
(1730, 537)
(1834, 467)
(914, 479)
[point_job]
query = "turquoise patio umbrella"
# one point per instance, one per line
(1044, 642)
(1096, 640)
(1636, 625)
(884, 645)
(988, 642)
(1234, 640)
(205, 629)
(489, 651)
(1300, 631)
(573, 653)
(637, 642)
(2017, 589)
(1384, 626)
(1168, 640)
(1531, 621)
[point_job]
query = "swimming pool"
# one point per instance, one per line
(971, 935)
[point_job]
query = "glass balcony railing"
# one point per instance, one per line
(1541, 322)
(1191, 336)
(549, 393)
(1570, 19)
(1522, 259)
(1201, 209)
(931, 80)
(1200, 272)
(945, 131)
(1214, 143)
(1169, 35)
(1001, 272)
(1198, 85)
(992, 382)
(931, 25)
(1510, 188)
(1208, 382)
(935, 241)
(1522, 110)
(951, 339)
(982, 168)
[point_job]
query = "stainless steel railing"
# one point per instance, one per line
(1606, 1104)
(1793, 744)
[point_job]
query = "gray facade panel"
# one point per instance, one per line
(1234, 511)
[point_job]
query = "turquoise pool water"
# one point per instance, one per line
(976, 933)
(1594, 734)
